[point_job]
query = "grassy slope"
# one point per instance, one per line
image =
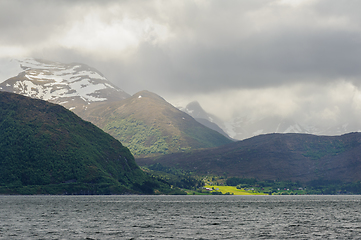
(148, 125)
(43, 144)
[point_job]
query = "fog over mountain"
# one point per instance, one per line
(290, 60)
(243, 127)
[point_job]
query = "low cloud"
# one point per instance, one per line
(257, 58)
(307, 104)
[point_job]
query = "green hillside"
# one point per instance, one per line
(45, 148)
(150, 126)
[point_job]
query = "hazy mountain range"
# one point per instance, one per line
(240, 128)
(79, 87)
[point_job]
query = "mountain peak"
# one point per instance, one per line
(195, 110)
(147, 94)
(73, 85)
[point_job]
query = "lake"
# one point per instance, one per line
(180, 217)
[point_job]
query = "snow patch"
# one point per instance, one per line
(293, 129)
(109, 86)
(228, 128)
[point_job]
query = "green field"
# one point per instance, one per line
(232, 190)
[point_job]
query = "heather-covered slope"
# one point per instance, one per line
(45, 148)
(148, 125)
(298, 157)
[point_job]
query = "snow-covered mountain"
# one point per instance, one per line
(74, 85)
(243, 127)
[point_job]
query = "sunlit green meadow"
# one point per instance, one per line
(232, 190)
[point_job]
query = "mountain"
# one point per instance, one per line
(47, 149)
(145, 127)
(296, 157)
(75, 86)
(242, 128)
(195, 110)
(149, 125)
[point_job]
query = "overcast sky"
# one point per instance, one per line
(291, 58)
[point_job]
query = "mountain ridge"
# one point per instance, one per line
(292, 156)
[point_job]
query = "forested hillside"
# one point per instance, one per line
(45, 148)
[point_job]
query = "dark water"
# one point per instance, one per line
(180, 217)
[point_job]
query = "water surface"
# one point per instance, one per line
(180, 217)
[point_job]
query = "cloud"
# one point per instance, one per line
(258, 57)
(308, 104)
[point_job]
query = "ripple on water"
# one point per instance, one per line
(179, 217)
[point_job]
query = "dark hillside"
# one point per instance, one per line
(298, 157)
(48, 149)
